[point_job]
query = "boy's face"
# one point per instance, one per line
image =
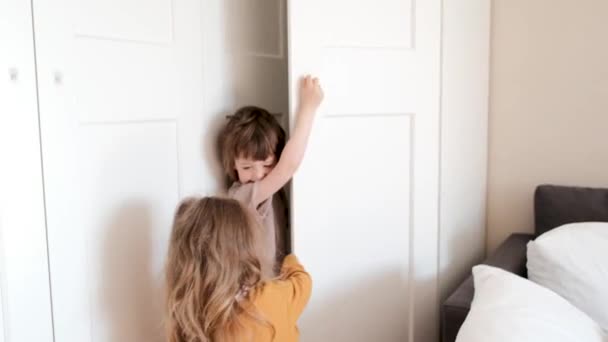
(250, 170)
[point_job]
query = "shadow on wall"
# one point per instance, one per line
(130, 293)
(210, 146)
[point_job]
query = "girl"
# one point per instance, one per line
(258, 163)
(215, 290)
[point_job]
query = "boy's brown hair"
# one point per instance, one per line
(252, 132)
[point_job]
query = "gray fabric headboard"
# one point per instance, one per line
(556, 205)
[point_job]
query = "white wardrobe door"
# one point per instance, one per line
(25, 306)
(365, 202)
(122, 127)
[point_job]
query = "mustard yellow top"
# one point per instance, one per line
(281, 303)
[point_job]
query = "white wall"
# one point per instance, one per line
(549, 105)
(463, 139)
(1, 318)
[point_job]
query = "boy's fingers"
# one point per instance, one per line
(308, 80)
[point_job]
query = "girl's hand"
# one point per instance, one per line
(311, 94)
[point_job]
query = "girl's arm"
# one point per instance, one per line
(300, 286)
(311, 96)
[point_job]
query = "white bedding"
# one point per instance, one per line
(508, 308)
(572, 261)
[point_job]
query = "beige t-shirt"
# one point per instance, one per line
(272, 213)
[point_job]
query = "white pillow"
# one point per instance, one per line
(508, 308)
(572, 261)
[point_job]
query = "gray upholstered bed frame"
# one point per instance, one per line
(553, 206)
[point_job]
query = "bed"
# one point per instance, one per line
(554, 206)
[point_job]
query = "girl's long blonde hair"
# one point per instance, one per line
(212, 258)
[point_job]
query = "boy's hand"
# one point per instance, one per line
(311, 94)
